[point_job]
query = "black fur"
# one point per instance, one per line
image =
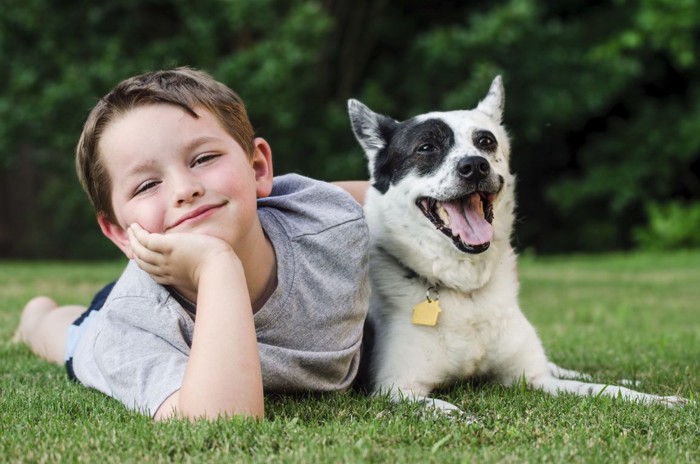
(485, 141)
(411, 146)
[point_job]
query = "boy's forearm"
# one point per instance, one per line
(223, 376)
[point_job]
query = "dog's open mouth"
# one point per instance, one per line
(467, 220)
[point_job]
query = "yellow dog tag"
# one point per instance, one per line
(427, 312)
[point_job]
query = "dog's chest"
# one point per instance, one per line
(469, 322)
(466, 335)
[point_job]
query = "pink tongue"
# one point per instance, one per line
(467, 220)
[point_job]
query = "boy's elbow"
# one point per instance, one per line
(172, 408)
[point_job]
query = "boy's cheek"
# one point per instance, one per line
(116, 234)
(125, 247)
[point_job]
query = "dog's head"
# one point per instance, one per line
(451, 167)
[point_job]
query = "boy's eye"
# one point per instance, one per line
(201, 159)
(145, 187)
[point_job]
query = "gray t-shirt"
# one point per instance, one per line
(309, 331)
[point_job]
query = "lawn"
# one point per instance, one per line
(616, 317)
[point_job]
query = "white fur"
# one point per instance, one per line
(481, 330)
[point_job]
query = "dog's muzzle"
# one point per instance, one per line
(473, 168)
(467, 219)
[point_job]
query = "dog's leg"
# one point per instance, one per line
(554, 386)
(404, 370)
(420, 396)
(398, 395)
(528, 358)
(405, 375)
(561, 373)
(416, 392)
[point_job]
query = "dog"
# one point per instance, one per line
(444, 304)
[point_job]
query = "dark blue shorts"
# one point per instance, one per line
(76, 329)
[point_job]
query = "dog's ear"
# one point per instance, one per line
(370, 128)
(492, 105)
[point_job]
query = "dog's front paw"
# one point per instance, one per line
(440, 408)
(431, 407)
(440, 405)
(673, 401)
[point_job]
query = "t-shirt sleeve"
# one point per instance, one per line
(140, 353)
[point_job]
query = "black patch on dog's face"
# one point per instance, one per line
(485, 141)
(412, 146)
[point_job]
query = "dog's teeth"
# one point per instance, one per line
(442, 214)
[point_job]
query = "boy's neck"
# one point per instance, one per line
(260, 267)
(259, 301)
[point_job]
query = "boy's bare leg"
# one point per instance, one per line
(44, 327)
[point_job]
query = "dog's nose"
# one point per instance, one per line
(473, 168)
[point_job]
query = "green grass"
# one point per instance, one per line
(616, 316)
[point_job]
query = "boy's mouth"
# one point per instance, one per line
(198, 214)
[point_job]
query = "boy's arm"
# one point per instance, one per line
(356, 188)
(223, 376)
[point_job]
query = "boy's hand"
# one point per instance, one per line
(175, 259)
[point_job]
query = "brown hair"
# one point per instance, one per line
(184, 87)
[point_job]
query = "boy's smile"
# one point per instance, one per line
(173, 172)
(197, 215)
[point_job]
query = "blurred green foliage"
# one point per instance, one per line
(600, 105)
(671, 226)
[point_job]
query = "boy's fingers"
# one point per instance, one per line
(139, 234)
(141, 251)
(147, 267)
(152, 241)
(148, 260)
(161, 275)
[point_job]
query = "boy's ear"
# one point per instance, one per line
(262, 166)
(115, 233)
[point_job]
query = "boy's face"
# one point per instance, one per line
(172, 172)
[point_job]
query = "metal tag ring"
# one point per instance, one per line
(435, 292)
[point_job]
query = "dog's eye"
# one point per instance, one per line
(427, 148)
(486, 141)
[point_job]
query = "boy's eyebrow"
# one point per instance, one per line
(140, 167)
(196, 142)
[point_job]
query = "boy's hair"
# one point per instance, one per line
(184, 87)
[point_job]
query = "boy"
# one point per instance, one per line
(235, 281)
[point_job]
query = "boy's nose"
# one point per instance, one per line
(187, 190)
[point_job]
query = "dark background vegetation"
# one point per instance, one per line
(602, 100)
